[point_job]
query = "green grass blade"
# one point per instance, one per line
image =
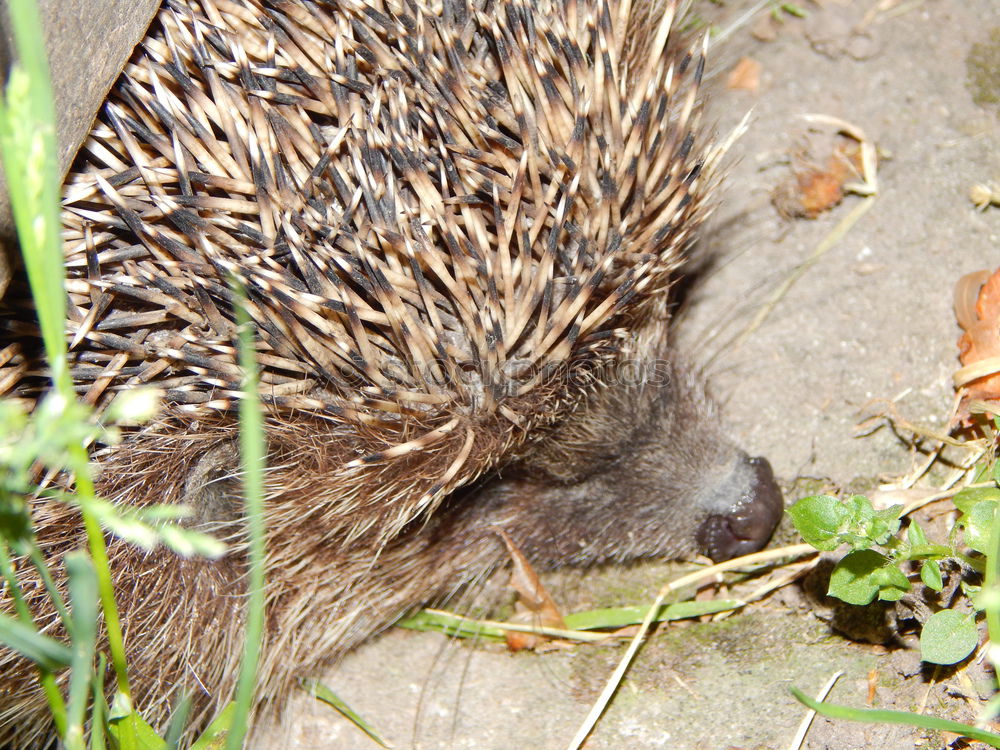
(325, 694)
(872, 715)
(99, 713)
(38, 560)
(28, 148)
(620, 617)
(13, 585)
(594, 619)
(57, 706)
(83, 596)
(452, 626)
(252, 464)
(992, 581)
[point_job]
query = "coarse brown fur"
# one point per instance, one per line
(456, 225)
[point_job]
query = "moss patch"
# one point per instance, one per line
(983, 70)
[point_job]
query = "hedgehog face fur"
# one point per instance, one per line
(456, 224)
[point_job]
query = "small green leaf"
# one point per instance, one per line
(819, 519)
(973, 591)
(15, 522)
(978, 523)
(856, 579)
(983, 598)
(851, 580)
(178, 720)
(794, 9)
(46, 652)
(188, 543)
(934, 551)
(915, 535)
(969, 497)
(930, 574)
(948, 637)
(980, 472)
(214, 738)
(892, 582)
(128, 730)
(826, 522)
(873, 526)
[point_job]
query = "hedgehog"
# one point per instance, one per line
(457, 225)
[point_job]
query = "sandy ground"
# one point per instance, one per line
(870, 320)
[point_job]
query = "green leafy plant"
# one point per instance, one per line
(877, 565)
(879, 557)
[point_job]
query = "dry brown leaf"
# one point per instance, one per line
(980, 341)
(814, 189)
(872, 684)
(745, 75)
(534, 605)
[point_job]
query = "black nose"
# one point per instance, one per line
(748, 523)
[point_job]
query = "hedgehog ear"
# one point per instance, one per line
(213, 489)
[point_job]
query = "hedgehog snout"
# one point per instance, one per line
(746, 523)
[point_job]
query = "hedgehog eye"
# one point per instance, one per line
(212, 489)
